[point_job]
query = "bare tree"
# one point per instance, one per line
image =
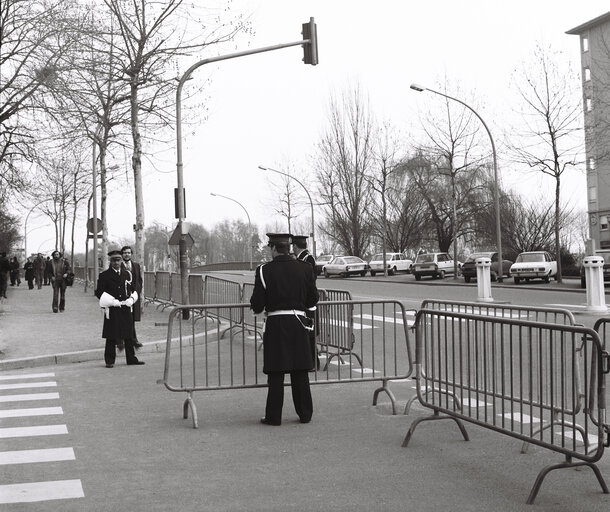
(547, 140)
(153, 35)
(345, 160)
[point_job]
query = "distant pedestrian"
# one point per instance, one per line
(28, 268)
(47, 272)
(14, 273)
(117, 297)
(284, 288)
(58, 271)
(5, 268)
(39, 270)
(299, 247)
(136, 283)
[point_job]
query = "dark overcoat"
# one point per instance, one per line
(137, 285)
(119, 325)
(289, 284)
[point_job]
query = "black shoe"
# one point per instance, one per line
(136, 362)
(304, 420)
(54, 310)
(109, 366)
(265, 421)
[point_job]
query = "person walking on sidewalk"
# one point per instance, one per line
(136, 283)
(5, 268)
(29, 273)
(285, 288)
(58, 269)
(39, 270)
(15, 278)
(47, 271)
(117, 297)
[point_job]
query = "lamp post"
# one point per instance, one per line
(25, 227)
(312, 234)
(247, 215)
(421, 88)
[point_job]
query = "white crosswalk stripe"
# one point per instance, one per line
(19, 428)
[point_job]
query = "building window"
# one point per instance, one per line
(591, 163)
(587, 74)
(603, 222)
(585, 44)
(588, 104)
(592, 194)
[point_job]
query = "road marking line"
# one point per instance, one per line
(27, 376)
(570, 435)
(35, 411)
(32, 456)
(355, 325)
(472, 402)
(364, 371)
(21, 385)
(41, 491)
(41, 430)
(521, 418)
(29, 396)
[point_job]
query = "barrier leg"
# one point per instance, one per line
(567, 464)
(434, 417)
(388, 391)
(189, 403)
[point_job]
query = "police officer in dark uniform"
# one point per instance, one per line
(117, 295)
(299, 247)
(285, 288)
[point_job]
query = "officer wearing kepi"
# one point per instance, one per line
(284, 289)
(299, 247)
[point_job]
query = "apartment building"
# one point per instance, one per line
(595, 67)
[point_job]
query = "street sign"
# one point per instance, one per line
(90, 225)
(176, 235)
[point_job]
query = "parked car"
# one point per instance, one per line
(321, 261)
(534, 265)
(604, 253)
(434, 264)
(344, 266)
(395, 261)
(469, 267)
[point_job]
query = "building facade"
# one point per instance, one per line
(595, 71)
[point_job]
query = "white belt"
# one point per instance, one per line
(286, 312)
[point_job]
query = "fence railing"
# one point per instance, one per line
(543, 383)
(198, 358)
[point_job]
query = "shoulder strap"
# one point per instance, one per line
(260, 271)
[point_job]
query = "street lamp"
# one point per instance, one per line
(25, 227)
(247, 215)
(421, 88)
(312, 234)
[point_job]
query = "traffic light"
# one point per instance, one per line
(310, 47)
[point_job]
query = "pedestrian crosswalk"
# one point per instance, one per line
(19, 417)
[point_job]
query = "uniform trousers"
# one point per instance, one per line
(110, 351)
(301, 395)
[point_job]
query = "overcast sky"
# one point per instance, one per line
(270, 109)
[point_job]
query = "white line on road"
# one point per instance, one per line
(384, 319)
(521, 418)
(41, 491)
(22, 385)
(27, 376)
(31, 456)
(29, 396)
(40, 430)
(34, 411)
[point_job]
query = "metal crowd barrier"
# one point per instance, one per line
(198, 358)
(196, 287)
(163, 287)
(150, 287)
(516, 312)
(335, 326)
(542, 383)
(175, 288)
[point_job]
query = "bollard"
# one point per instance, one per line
(484, 280)
(594, 276)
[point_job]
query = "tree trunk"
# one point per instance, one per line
(557, 240)
(136, 162)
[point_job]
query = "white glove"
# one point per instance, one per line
(127, 302)
(116, 303)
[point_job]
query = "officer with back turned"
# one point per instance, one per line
(285, 288)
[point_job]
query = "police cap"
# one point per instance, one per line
(299, 238)
(279, 238)
(114, 254)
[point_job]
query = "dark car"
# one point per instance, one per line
(469, 267)
(604, 253)
(321, 261)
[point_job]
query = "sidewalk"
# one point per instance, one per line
(32, 335)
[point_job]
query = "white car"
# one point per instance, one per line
(534, 265)
(435, 264)
(395, 261)
(344, 266)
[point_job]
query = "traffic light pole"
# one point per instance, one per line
(310, 46)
